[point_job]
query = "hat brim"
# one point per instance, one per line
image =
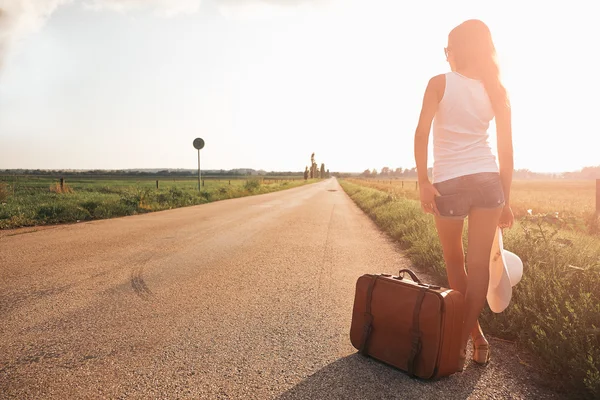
(514, 265)
(500, 288)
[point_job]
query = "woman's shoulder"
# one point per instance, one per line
(439, 79)
(438, 85)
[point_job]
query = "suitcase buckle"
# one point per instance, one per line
(416, 348)
(367, 328)
(368, 323)
(414, 351)
(416, 340)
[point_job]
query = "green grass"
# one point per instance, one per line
(555, 309)
(35, 201)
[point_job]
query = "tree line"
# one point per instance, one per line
(584, 173)
(314, 172)
(389, 172)
(148, 173)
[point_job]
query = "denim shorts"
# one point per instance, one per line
(459, 195)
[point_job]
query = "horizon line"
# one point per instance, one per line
(259, 169)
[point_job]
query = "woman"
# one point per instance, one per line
(467, 181)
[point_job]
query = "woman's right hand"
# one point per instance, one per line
(506, 218)
(428, 193)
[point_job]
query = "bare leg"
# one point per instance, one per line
(450, 234)
(483, 223)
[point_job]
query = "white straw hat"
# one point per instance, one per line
(506, 270)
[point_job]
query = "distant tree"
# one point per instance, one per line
(322, 172)
(385, 171)
(374, 172)
(327, 174)
(590, 173)
(410, 173)
(343, 175)
(525, 174)
(398, 172)
(306, 173)
(366, 173)
(313, 167)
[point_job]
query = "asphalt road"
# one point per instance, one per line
(248, 298)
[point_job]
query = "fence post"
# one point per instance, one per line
(416, 185)
(157, 183)
(62, 184)
(202, 182)
(230, 181)
(598, 196)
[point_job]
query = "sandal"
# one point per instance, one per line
(481, 353)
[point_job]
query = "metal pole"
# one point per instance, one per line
(199, 177)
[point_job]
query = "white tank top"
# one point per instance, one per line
(460, 130)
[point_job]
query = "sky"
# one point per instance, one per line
(117, 84)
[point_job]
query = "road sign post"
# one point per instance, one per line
(198, 145)
(199, 171)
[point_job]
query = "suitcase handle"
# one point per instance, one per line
(409, 272)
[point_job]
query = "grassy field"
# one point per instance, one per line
(555, 309)
(30, 201)
(574, 201)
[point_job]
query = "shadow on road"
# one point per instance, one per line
(358, 377)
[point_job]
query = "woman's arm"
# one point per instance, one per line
(505, 149)
(505, 159)
(431, 99)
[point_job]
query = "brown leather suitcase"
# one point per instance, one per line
(410, 325)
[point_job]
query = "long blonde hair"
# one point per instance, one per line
(472, 48)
